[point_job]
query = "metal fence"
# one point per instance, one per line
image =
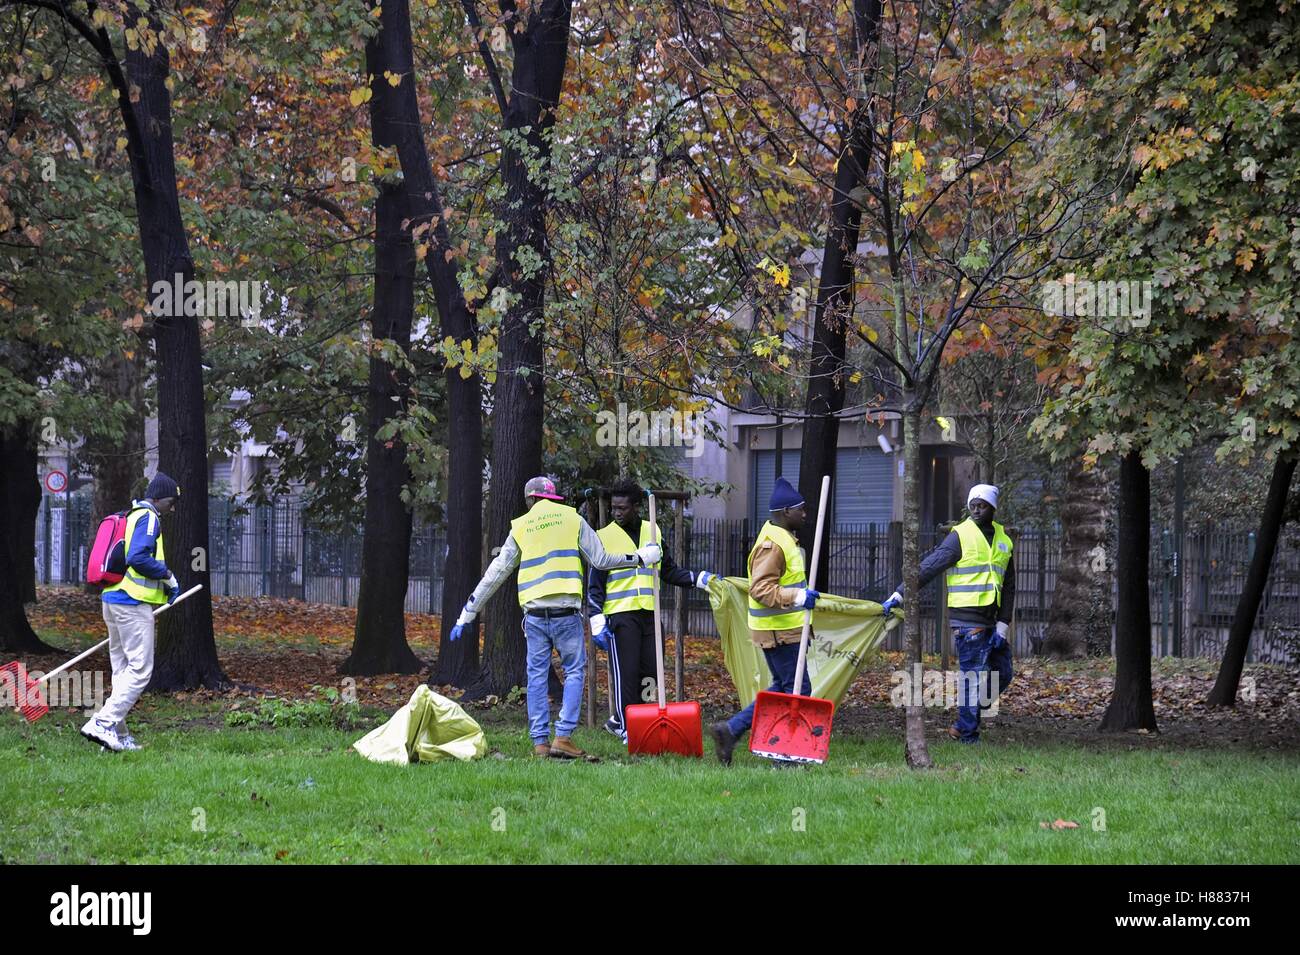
(275, 550)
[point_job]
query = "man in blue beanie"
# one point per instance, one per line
(128, 611)
(778, 596)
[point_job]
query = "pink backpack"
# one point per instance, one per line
(107, 562)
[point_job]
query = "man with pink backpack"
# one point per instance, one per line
(128, 607)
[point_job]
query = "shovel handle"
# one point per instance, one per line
(99, 646)
(812, 577)
(654, 585)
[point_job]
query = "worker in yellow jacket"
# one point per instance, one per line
(981, 575)
(547, 545)
(778, 596)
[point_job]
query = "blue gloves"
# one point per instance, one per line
(464, 620)
(702, 579)
(895, 600)
(600, 631)
(999, 638)
(806, 598)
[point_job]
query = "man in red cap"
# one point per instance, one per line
(547, 545)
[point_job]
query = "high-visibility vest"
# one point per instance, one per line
(141, 588)
(774, 618)
(629, 588)
(976, 580)
(548, 542)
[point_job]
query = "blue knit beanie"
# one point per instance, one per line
(783, 496)
(161, 487)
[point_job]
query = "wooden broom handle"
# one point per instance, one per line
(812, 576)
(99, 646)
(654, 577)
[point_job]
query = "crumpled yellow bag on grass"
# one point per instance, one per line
(428, 728)
(846, 634)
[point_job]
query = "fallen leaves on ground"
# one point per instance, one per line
(286, 648)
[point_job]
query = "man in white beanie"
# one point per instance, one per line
(981, 596)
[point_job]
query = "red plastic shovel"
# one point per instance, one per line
(15, 684)
(669, 727)
(789, 726)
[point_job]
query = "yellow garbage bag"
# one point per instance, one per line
(847, 634)
(428, 728)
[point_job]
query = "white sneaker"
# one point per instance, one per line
(102, 733)
(129, 743)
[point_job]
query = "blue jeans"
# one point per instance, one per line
(977, 657)
(544, 634)
(782, 661)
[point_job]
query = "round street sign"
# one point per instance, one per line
(56, 482)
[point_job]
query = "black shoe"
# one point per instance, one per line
(724, 741)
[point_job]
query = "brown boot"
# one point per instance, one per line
(542, 749)
(954, 733)
(563, 748)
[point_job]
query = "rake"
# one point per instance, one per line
(15, 683)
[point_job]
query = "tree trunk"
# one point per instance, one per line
(395, 119)
(18, 486)
(1130, 703)
(825, 397)
(379, 644)
(1080, 620)
(1224, 692)
(540, 55)
(23, 499)
(918, 753)
(118, 466)
(186, 654)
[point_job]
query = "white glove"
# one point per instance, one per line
(171, 583)
(1003, 629)
(597, 623)
(649, 554)
(702, 579)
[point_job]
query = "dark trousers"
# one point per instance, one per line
(632, 670)
(978, 657)
(782, 660)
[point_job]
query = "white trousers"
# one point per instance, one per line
(130, 648)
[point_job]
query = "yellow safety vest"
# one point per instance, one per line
(548, 541)
(629, 588)
(976, 580)
(774, 618)
(142, 588)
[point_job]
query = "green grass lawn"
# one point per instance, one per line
(302, 795)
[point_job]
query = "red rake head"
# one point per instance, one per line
(23, 693)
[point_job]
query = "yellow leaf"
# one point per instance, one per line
(873, 335)
(121, 143)
(360, 95)
(394, 79)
